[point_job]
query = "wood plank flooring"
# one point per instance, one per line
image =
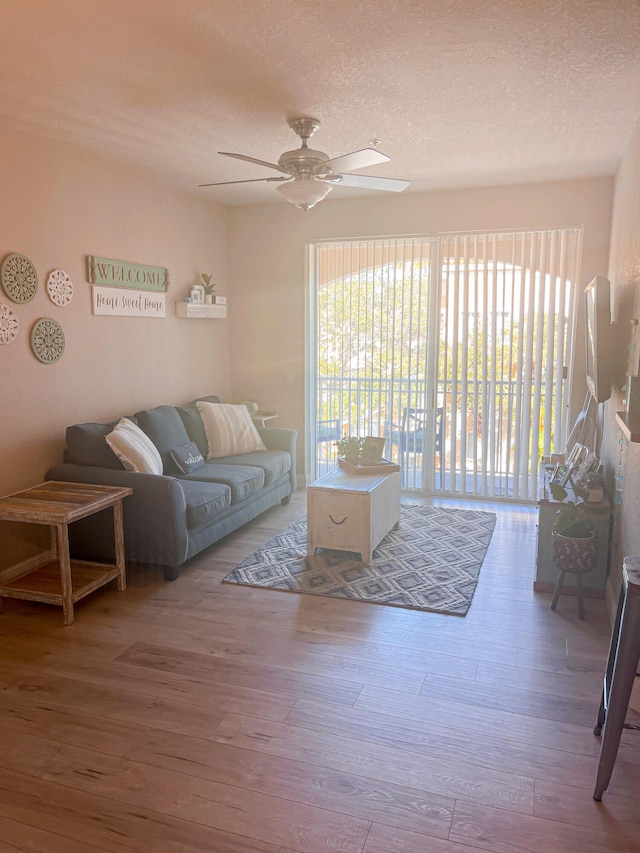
(200, 716)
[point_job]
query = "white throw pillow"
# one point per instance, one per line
(134, 448)
(229, 429)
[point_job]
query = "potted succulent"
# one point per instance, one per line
(574, 544)
(209, 287)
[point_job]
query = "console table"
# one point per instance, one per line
(55, 578)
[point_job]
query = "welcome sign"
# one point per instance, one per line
(124, 274)
(127, 303)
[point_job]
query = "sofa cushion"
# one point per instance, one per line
(274, 463)
(229, 429)
(187, 457)
(204, 501)
(134, 448)
(164, 427)
(192, 421)
(243, 480)
(86, 445)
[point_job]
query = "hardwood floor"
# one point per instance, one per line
(200, 716)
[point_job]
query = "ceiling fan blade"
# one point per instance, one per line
(355, 160)
(250, 181)
(367, 182)
(253, 160)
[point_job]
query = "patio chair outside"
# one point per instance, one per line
(409, 437)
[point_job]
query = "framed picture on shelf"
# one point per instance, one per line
(197, 294)
(577, 455)
(591, 463)
(561, 474)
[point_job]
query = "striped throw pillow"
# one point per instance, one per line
(134, 448)
(229, 429)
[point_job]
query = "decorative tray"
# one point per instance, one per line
(385, 466)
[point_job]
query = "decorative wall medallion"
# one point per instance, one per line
(59, 288)
(8, 325)
(47, 340)
(19, 278)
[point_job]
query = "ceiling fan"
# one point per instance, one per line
(310, 175)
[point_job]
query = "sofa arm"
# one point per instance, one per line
(279, 438)
(155, 527)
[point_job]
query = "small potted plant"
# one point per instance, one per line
(350, 448)
(574, 544)
(209, 287)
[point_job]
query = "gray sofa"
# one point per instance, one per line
(173, 516)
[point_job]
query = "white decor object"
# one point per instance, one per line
(196, 310)
(229, 429)
(134, 448)
(60, 288)
(9, 325)
(121, 302)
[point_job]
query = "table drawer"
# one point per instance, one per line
(338, 520)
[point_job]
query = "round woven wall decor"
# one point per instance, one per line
(59, 288)
(8, 325)
(19, 278)
(47, 340)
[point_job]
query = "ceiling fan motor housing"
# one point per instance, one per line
(304, 162)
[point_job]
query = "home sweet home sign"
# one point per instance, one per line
(124, 289)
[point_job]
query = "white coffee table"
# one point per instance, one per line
(350, 512)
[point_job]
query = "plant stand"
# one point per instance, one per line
(546, 570)
(576, 557)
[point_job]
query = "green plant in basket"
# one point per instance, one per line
(571, 518)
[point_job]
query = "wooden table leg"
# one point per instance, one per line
(62, 545)
(54, 545)
(118, 532)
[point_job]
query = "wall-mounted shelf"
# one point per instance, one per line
(200, 311)
(629, 426)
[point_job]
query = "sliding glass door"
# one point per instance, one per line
(454, 348)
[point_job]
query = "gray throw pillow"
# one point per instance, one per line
(187, 457)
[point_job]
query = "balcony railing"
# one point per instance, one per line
(482, 427)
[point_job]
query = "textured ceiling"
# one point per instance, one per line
(461, 93)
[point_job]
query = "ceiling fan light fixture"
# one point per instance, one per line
(304, 192)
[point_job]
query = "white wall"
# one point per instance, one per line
(58, 206)
(624, 274)
(267, 256)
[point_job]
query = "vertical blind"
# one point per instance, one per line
(507, 302)
(454, 347)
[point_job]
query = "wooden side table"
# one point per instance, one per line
(57, 579)
(351, 512)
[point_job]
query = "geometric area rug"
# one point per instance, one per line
(431, 561)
